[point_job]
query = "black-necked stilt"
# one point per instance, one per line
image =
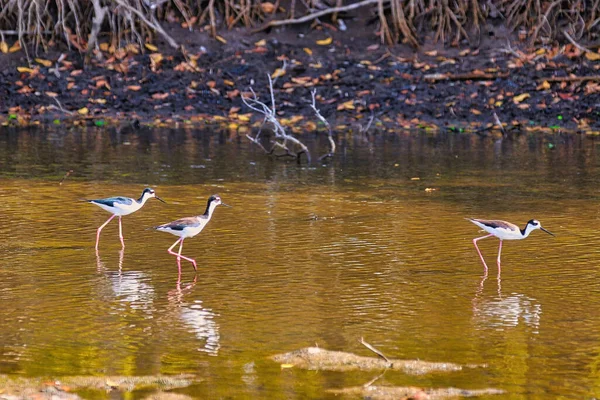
(504, 231)
(119, 206)
(189, 227)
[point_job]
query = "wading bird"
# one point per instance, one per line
(504, 231)
(189, 227)
(120, 206)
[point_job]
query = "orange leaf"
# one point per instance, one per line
(267, 7)
(15, 47)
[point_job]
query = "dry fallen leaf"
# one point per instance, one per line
(51, 94)
(325, 42)
(277, 73)
(4, 47)
(25, 69)
(15, 47)
(83, 111)
(134, 88)
(349, 105)
(151, 47)
(267, 7)
(544, 86)
(592, 56)
(160, 96)
(221, 39)
(308, 51)
(520, 98)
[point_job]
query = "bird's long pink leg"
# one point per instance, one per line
(100, 229)
(121, 233)
(499, 253)
(170, 251)
(480, 256)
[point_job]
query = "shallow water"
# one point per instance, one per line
(321, 254)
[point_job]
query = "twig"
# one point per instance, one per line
(152, 25)
(259, 144)
(318, 14)
(497, 120)
(374, 350)
(326, 123)
(570, 78)
(574, 43)
(69, 172)
(372, 381)
(464, 77)
(60, 107)
(369, 123)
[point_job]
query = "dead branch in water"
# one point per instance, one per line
(318, 359)
(326, 123)
(270, 115)
(374, 350)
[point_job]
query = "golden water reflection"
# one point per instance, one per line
(322, 255)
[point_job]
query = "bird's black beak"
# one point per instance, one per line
(547, 231)
(226, 205)
(158, 198)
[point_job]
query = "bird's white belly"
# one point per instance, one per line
(504, 234)
(119, 209)
(187, 232)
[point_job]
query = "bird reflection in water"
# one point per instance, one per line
(198, 320)
(129, 287)
(505, 311)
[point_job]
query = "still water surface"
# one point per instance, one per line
(321, 254)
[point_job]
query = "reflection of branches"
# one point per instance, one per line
(324, 121)
(280, 134)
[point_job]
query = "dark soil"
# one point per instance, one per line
(355, 79)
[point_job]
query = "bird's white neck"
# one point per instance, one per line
(210, 209)
(142, 200)
(528, 229)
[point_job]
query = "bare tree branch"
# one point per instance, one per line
(318, 14)
(152, 25)
(270, 116)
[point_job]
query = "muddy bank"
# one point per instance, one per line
(552, 87)
(77, 387)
